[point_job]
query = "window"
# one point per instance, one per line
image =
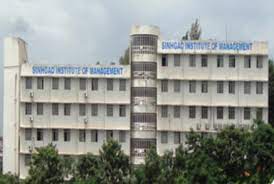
(246, 113)
(40, 83)
(122, 136)
(94, 109)
(176, 112)
(204, 60)
(177, 138)
(164, 60)
(247, 61)
(28, 134)
(220, 87)
(82, 109)
(109, 110)
(94, 84)
(147, 66)
(28, 83)
(109, 84)
(176, 86)
(164, 111)
(82, 135)
(204, 87)
(28, 108)
(55, 109)
(109, 134)
(122, 84)
(259, 87)
(176, 60)
(66, 135)
(220, 61)
(94, 135)
(259, 113)
(164, 138)
(220, 112)
(39, 134)
(164, 85)
(82, 84)
(143, 91)
(67, 109)
(192, 61)
(55, 83)
(192, 112)
(55, 136)
(259, 61)
(122, 110)
(27, 159)
(192, 86)
(67, 83)
(204, 112)
(39, 108)
(231, 112)
(232, 61)
(143, 117)
(247, 87)
(231, 87)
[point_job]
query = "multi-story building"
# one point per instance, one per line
(169, 88)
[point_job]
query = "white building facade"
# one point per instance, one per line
(169, 88)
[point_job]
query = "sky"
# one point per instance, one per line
(87, 31)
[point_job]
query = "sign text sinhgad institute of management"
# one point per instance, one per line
(206, 45)
(77, 70)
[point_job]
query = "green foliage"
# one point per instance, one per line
(9, 179)
(167, 168)
(124, 60)
(46, 167)
(138, 175)
(271, 93)
(195, 31)
(114, 163)
(152, 166)
(231, 156)
(87, 168)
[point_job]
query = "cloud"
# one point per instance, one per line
(87, 31)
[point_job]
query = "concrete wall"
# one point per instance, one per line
(14, 55)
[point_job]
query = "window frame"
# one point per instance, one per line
(220, 61)
(40, 83)
(67, 83)
(28, 83)
(110, 85)
(204, 60)
(177, 60)
(82, 84)
(55, 83)
(39, 109)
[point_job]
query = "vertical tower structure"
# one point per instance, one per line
(143, 52)
(15, 54)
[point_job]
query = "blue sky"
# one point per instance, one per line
(87, 31)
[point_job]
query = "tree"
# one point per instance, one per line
(114, 163)
(9, 179)
(261, 153)
(124, 60)
(152, 166)
(87, 168)
(194, 33)
(167, 168)
(138, 175)
(46, 166)
(229, 149)
(271, 93)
